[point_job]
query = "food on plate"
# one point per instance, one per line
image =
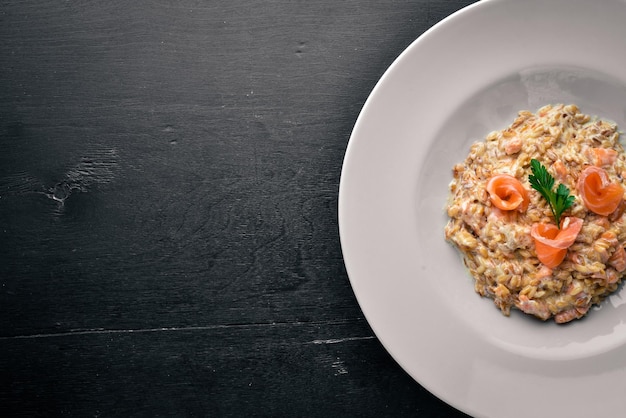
(599, 194)
(537, 212)
(507, 193)
(552, 242)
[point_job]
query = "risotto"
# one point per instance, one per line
(537, 212)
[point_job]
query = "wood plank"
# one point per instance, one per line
(306, 369)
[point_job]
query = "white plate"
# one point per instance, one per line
(466, 76)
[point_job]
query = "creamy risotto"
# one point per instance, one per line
(554, 247)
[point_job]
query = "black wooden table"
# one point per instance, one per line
(169, 175)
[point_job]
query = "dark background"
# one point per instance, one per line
(169, 174)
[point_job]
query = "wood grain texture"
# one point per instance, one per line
(168, 207)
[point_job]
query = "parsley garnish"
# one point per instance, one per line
(543, 182)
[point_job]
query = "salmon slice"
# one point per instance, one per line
(601, 156)
(551, 243)
(507, 193)
(618, 259)
(598, 193)
(560, 169)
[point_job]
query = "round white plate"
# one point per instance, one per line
(468, 75)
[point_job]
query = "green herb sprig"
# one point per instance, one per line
(543, 182)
